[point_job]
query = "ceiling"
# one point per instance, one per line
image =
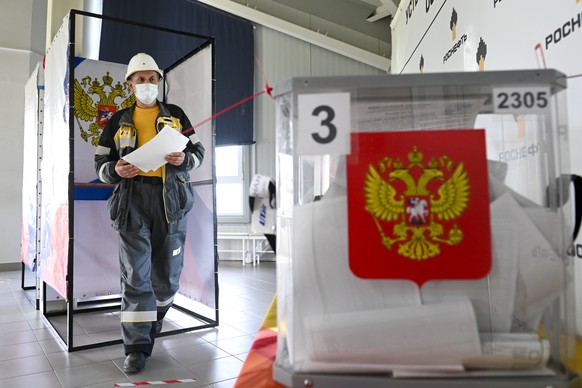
(359, 23)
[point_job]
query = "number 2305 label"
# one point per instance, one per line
(521, 99)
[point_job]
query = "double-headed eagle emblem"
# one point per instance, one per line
(437, 192)
(98, 113)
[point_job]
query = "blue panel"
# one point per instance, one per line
(96, 192)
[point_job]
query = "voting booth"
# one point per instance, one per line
(423, 231)
(67, 238)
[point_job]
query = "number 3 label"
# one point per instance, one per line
(521, 99)
(324, 124)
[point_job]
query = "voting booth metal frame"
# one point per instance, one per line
(69, 308)
(293, 370)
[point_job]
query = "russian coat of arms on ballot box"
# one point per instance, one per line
(418, 205)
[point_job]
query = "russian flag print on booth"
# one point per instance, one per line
(418, 205)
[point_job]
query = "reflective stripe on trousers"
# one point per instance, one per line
(151, 256)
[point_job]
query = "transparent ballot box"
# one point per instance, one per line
(423, 229)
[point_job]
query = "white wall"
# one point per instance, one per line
(22, 36)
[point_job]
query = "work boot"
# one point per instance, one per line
(134, 362)
(159, 326)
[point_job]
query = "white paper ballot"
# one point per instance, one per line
(540, 278)
(384, 115)
(150, 156)
(329, 286)
(492, 297)
(325, 284)
(442, 333)
(511, 354)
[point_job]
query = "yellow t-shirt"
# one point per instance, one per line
(145, 123)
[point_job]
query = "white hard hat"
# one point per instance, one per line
(142, 62)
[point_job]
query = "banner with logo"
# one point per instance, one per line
(453, 35)
(100, 91)
(32, 101)
(98, 88)
(456, 35)
(54, 239)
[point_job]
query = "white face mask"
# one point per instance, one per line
(146, 93)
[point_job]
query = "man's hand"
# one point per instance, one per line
(175, 158)
(125, 170)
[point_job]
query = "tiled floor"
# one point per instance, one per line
(31, 354)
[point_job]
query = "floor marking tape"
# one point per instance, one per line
(159, 382)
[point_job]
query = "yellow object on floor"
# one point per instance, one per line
(257, 371)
